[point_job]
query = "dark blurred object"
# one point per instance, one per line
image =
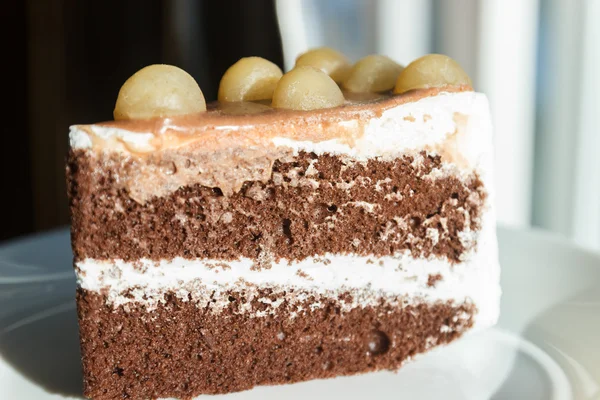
(75, 57)
(15, 160)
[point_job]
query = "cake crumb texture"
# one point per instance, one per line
(182, 350)
(310, 206)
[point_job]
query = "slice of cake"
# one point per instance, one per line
(302, 227)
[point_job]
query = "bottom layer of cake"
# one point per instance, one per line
(183, 349)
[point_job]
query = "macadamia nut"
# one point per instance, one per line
(433, 70)
(159, 91)
(249, 79)
(307, 88)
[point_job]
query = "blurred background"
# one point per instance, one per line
(537, 60)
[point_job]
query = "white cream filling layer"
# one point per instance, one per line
(368, 278)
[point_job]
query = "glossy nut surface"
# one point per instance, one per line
(307, 88)
(159, 91)
(374, 73)
(433, 70)
(249, 79)
(328, 60)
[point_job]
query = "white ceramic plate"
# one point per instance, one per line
(546, 345)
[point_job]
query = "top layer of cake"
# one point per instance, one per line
(170, 139)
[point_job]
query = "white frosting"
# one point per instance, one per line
(80, 139)
(410, 127)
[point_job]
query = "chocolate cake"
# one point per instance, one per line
(329, 221)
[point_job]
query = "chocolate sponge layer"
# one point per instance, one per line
(311, 205)
(182, 349)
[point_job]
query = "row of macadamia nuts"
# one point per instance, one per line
(316, 81)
